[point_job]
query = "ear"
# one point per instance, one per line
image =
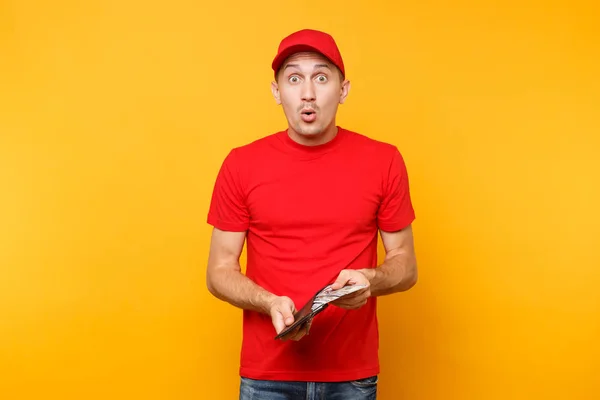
(344, 91)
(275, 91)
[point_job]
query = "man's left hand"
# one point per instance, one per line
(353, 300)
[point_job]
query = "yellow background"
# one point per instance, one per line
(116, 115)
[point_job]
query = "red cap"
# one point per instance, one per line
(309, 40)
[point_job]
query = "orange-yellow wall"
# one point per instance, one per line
(114, 119)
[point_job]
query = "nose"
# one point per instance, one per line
(308, 91)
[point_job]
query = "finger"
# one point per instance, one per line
(300, 333)
(282, 318)
(287, 314)
(291, 335)
(308, 325)
(306, 329)
(351, 305)
(278, 322)
(341, 281)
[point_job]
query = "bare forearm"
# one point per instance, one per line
(237, 289)
(397, 273)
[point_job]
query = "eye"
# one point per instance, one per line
(322, 78)
(294, 79)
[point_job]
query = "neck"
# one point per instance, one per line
(316, 139)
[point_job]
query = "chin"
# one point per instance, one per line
(309, 130)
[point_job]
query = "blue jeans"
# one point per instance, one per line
(362, 389)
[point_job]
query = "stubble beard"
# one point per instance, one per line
(313, 129)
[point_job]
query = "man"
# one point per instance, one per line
(309, 201)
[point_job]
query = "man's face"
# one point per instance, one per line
(310, 88)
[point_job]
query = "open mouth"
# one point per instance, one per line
(308, 115)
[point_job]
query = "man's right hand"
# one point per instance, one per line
(282, 311)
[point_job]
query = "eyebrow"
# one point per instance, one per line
(315, 67)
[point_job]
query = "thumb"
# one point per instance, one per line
(340, 282)
(282, 316)
(287, 313)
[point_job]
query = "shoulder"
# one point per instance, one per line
(368, 146)
(257, 148)
(254, 150)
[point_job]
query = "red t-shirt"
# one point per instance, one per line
(311, 212)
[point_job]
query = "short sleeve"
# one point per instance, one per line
(396, 210)
(228, 209)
